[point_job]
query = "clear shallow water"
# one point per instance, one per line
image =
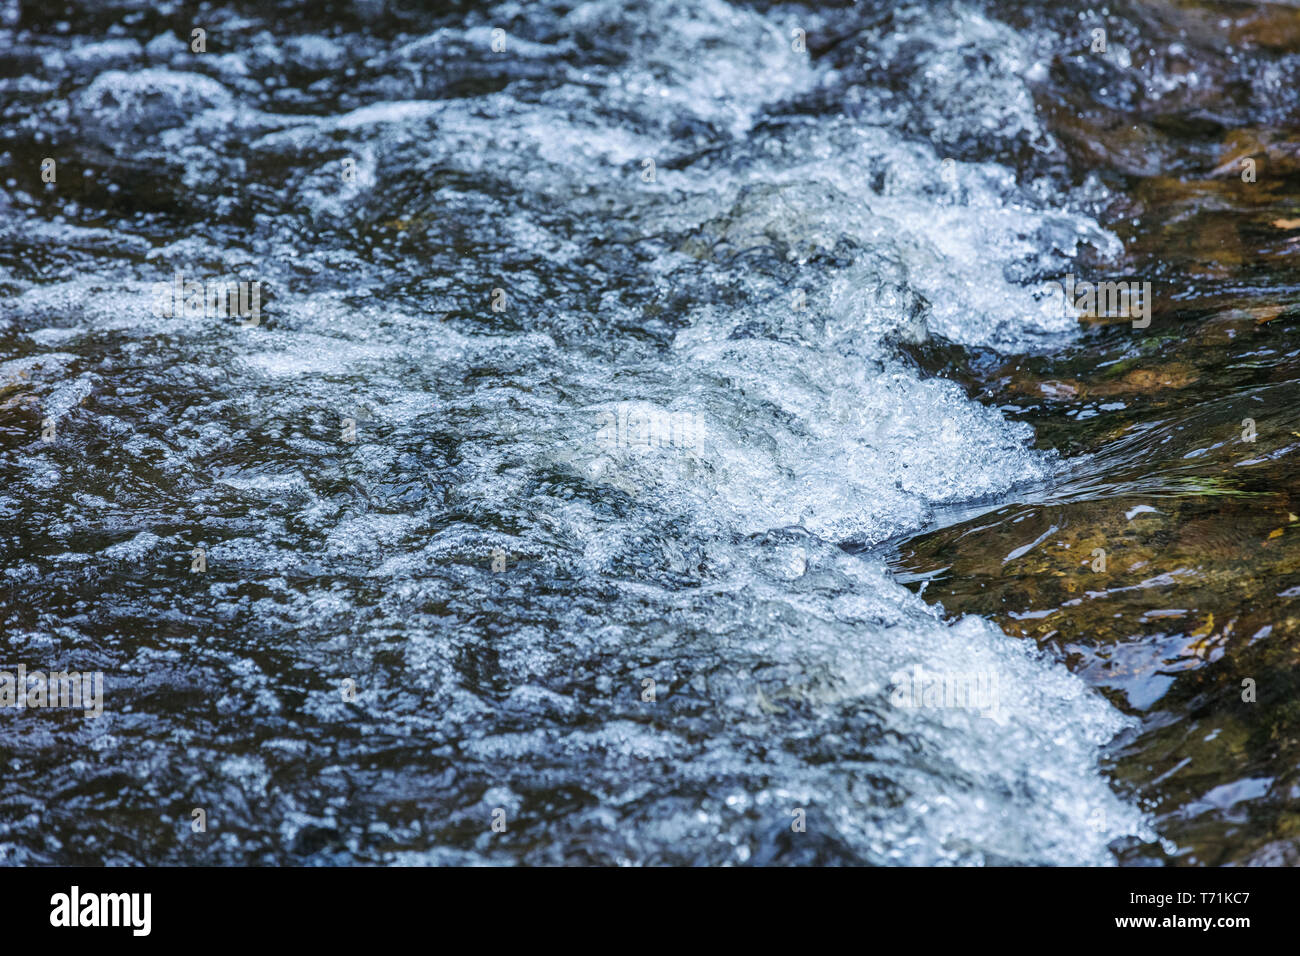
(801, 231)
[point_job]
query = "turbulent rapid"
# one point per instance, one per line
(551, 482)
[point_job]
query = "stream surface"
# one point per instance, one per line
(634, 397)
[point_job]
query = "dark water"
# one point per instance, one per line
(614, 382)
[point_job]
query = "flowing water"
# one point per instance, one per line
(634, 400)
